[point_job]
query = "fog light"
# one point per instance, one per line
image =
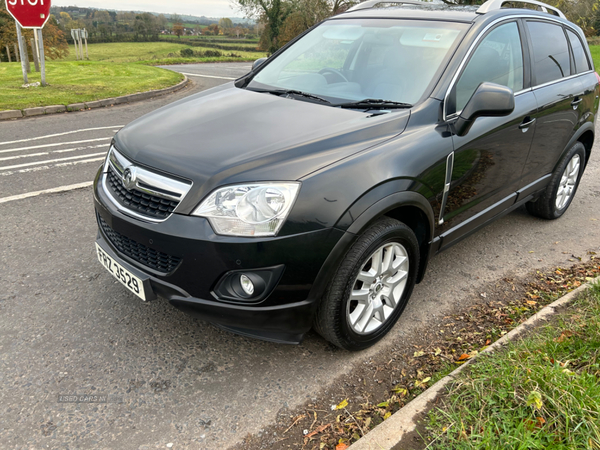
(247, 285)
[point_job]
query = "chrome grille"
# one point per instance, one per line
(138, 201)
(139, 192)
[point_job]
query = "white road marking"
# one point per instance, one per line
(31, 155)
(71, 187)
(54, 145)
(37, 163)
(207, 76)
(78, 148)
(61, 134)
(52, 166)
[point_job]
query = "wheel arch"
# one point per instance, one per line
(587, 139)
(585, 135)
(409, 207)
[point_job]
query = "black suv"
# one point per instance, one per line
(313, 191)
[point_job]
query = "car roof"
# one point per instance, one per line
(440, 12)
(415, 13)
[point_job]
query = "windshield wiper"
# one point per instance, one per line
(282, 92)
(373, 103)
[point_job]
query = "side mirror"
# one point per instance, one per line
(489, 100)
(257, 63)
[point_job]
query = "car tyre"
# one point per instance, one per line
(371, 287)
(559, 193)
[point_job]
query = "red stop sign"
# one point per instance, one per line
(29, 13)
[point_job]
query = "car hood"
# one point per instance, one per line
(230, 135)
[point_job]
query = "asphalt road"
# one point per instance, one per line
(67, 327)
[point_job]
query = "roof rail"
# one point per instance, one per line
(373, 3)
(493, 5)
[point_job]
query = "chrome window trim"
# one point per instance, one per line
(562, 79)
(474, 44)
(169, 188)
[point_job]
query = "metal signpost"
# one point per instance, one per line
(84, 33)
(75, 36)
(30, 14)
(78, 35)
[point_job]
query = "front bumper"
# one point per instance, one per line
(283, 316)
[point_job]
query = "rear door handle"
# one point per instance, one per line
(575, 103)
(525, 125)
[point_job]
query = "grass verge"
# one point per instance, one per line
(113, 70)
(83, 81)
(540, 392)
(357, 402)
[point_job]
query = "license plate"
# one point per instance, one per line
(127, 279)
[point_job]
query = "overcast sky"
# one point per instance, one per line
(208, 8)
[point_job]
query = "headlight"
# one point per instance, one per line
(249, 209)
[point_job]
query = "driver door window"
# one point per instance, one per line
(498, 59)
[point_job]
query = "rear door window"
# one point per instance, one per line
(581, 62)
(550, 52)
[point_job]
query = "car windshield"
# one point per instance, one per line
(346, 61)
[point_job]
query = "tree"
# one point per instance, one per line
(211, 30)
(102, 17)
(225, 24)
(162, 22)
(178, 30)
(176, 18)
(272, 12)
(306, 14)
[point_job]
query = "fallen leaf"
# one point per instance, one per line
(387, 415)
(564, 335)
(400, 390)
(535, 399)
(541, 421)
(383, 405)
(341, 446)
(419, 354)
(438, 351)
(422, 382)
(531, 302)
(318, 430)
(488, 341)
(463, 357)
(342, 404)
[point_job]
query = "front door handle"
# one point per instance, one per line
(575, 103)
(525, 125)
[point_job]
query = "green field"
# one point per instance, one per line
(113, 70)
(155, 53)
(83, 81)
(249, 44)
(595, 49)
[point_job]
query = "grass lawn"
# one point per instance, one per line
(156, 53)
(74, 82)
(595, 49)
(248, 44)
(113, 69)
(539, 393)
